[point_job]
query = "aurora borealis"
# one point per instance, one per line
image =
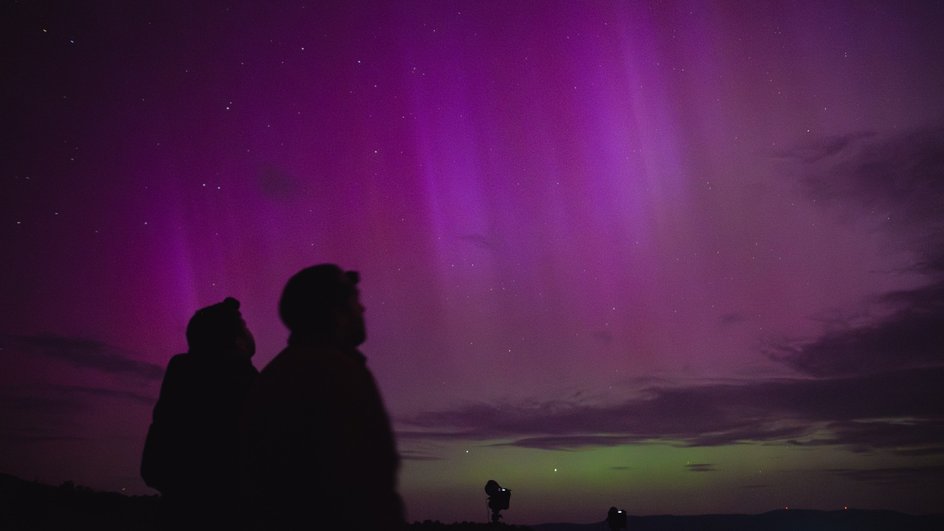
(679, 257)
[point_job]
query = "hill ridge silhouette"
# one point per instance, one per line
(774, 520)
(31, 505)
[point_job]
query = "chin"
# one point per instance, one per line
(359, 337)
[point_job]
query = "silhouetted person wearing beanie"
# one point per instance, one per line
(320, 453)
(192, 450)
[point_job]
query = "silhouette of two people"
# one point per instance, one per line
(306, 443)
(191, 454)
(319, 449)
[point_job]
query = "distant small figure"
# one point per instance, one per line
(319, 449)
(616, 519)
(499, 499)
(191, 454)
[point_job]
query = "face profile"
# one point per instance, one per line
(245, 342)
(351, 326)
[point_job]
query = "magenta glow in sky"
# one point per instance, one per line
(678, 257)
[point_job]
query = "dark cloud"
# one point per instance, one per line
(900, 176)
(732, 318)
(899, 180)
(98, 392)
(603, 336)
(571, 442)
(278, 184)
(14, 437)
(904, 436)
(825, 148)
(36, 414)
(83, 353)
(412, 455)
(700, 467)
(48, 413)
(894, 182)
(901, 410)
(909, 338)
(481, 241)
(33, 413)
(431, 435)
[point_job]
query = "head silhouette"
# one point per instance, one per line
(321, 303)
(220, 329)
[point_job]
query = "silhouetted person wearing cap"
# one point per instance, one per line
(319, 450)
(192, 450)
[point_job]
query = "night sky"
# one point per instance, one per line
(679, 257)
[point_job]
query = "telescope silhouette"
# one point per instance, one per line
(499, 499)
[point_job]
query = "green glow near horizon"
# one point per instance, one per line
(554, 485)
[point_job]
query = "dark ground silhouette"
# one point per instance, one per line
(782, 520)
(31, 506)
(27, 505)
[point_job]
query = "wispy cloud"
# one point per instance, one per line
(826, 148)
(732, 318)
(571, 442)
(414, 455)
(900, 409)
(700, 467)
(99, 392)
(49, 413)
(32, 415)
(897, 175)
(84, 353)
(278, 184)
